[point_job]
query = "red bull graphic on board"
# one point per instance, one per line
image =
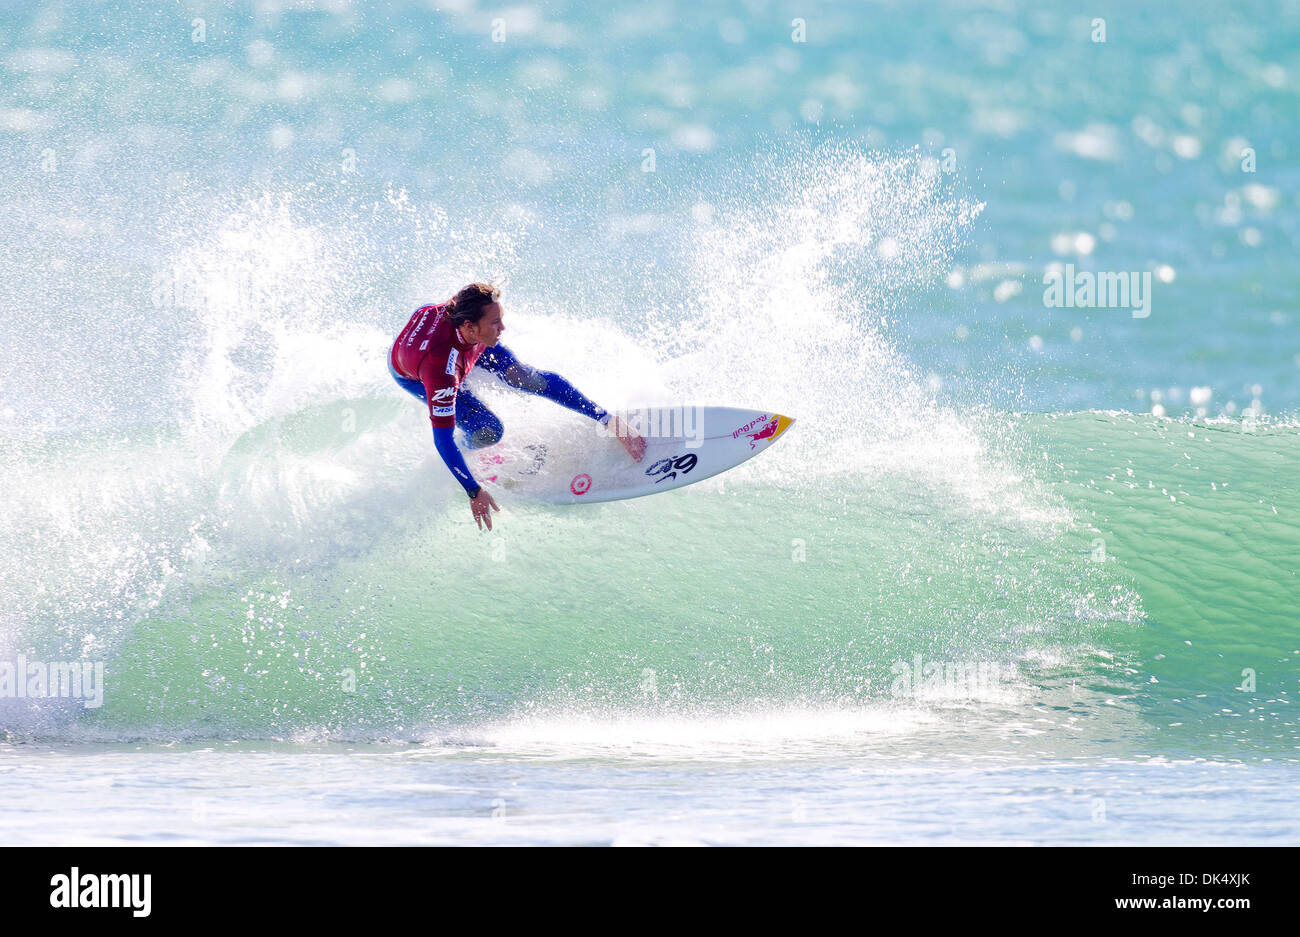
(763, 427)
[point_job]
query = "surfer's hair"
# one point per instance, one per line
(469, 304)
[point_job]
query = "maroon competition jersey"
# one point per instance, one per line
(431, 351)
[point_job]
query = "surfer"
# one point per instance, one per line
(440, 345)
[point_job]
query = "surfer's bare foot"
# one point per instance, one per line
(629, 437)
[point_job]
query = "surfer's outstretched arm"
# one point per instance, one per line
(439, 390)
(481, 503)
(502, 362)
(445, 443)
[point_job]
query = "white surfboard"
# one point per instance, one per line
(684, 445)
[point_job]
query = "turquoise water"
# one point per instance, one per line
(1019, 573)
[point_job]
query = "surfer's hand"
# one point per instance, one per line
(482, 506)
(629, 437)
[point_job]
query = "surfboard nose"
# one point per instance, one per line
(783, 423)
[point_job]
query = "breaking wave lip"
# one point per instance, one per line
(237, 270)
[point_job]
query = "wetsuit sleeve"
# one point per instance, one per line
(438, 375)
(501, 361)
(444, 442)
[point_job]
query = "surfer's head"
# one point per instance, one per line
(476, 311)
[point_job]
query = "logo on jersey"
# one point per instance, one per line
(443, 411)
(451, 361)
(424, 314)
(444, 394)
(424, 344)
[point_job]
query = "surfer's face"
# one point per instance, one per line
(488, 329)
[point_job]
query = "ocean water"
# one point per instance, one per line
(1022, 572)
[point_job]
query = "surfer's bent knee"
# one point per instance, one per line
(486, 436)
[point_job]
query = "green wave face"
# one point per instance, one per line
(1127, 578)
(1204, 520)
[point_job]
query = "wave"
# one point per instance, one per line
(1156, 572)
(281, 555)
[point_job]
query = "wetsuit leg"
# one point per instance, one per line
(408, 384)
(480, 425)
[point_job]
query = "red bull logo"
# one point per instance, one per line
(748, 426)
(767, 432)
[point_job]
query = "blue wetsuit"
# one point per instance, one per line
(479, 426)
